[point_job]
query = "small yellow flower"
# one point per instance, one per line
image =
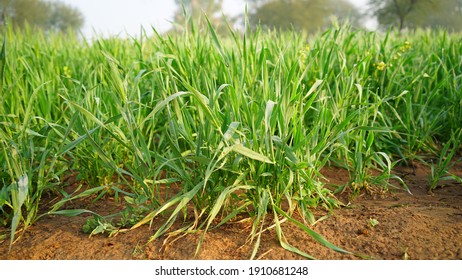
(67, 72)
(407, 45)
(303, 53)
(381, 66)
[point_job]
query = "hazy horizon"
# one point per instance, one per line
(122, 17)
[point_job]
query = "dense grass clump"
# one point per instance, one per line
(244, 123)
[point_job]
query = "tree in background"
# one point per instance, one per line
(418, 13)
(195, 9)
(308, 15)
(64, 17)
(447, 14)
(55, 16)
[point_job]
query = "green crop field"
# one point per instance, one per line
(243, 123)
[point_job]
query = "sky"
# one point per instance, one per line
(122, 17)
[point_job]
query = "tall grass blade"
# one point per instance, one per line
(19, 193)
(3, 60)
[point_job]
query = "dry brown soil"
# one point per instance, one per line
(417, 226)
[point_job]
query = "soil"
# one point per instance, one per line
(420, 225)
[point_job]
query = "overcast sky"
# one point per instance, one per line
(119, 17)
